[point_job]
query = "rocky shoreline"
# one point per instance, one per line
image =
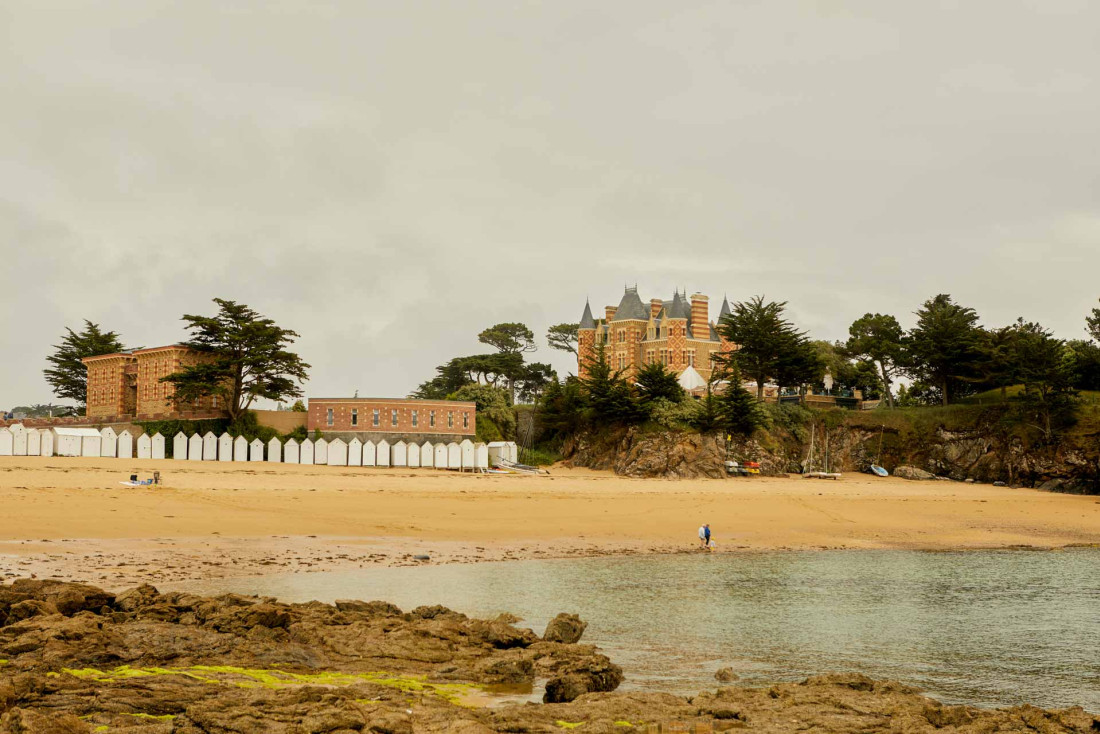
(75, 659)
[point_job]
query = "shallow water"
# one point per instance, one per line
(990, 628)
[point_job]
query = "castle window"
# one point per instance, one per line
(328, 416)
(375, 418)
(354, 417)
(393, 417)
(415, 418)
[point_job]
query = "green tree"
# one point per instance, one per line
(655, 381)
(740, 412)
(610, 399)
(800, 363)
(562, 410)
(946, 346)
(298, 407)
(512, 338)
(68, 376)
(1083, 364)
(762, 335)
(1048, 395)
(492, 404)
(563, 337)
(246, 357)
(707, 416)
(879, 338)
(1092, 324)
(532, 380)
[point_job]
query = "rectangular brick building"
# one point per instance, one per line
(128, 383)
(414, 418)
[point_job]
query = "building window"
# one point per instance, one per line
(354, 417)
(328, 416)
(214, 401)
(431, 418)
(465, 420)
(450, 419)
(375, 419)
(415, 419)
(393, 417)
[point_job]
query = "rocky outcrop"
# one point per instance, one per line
(912, 472)
(566, 628)
(152, 663)
(983, 449)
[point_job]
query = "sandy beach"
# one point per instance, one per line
(71, 518)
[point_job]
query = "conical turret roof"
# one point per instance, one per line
(587, 322)
(631, 307)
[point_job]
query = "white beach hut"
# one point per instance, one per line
(274, 451)
(305, 452)
(382, 453)
(225, 447)
(19, 440)
(370, 453)
(144, 446)
(209, 446)
(256, 450)
(414, 455)
(125, 445)
(179, 446)
(194, 447)
(355, 452)
(320, 451)
(337, 453)
(7, 441)
(467, 447)
(399, 454)
(34, 442)
(158, 446)
(108, 443)
(497, 451)
(291, 452)
(47, 443)
(427, 454)
(454, 456)
(240, 449)
(513, 451)
(440, 451)
(481, 456)
(76, 441)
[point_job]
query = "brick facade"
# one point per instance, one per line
(127, 384)
(422, 418)
(676, 333)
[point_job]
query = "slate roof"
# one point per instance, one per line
(631, 307)
(587, 322)
(725, 308)
(678, 309)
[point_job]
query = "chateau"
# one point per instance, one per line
(677, 333)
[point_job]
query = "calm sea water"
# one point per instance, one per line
(988, 628)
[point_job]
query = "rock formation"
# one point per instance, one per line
(76, 660)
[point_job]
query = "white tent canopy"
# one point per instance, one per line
(690, 379)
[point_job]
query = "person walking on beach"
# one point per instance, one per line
(704, 535)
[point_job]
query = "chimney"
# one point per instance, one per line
(609, 311)
(655, 306)
(700, 314)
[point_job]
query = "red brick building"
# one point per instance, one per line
(128, 384)
(397, 416)
(677, 333)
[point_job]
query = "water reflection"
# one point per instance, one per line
(989, 628)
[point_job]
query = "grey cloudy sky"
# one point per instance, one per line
(388, 178)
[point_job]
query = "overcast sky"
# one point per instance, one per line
(389, 178)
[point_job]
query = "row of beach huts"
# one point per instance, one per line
(16, 440)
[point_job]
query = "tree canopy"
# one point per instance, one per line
(245, 357)
(510, 338)
(946, 346)
(768, 345)
(563, 337)
(879, 338)
(68, 376)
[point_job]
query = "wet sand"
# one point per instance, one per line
(71, 519)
